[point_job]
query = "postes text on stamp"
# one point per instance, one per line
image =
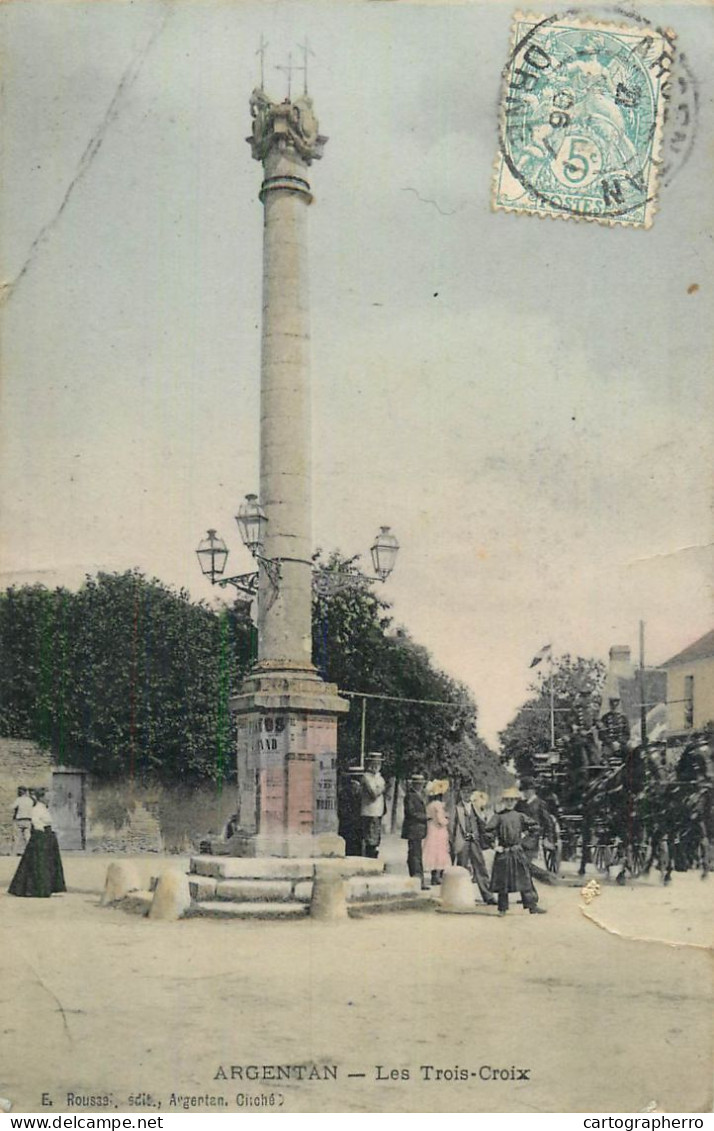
(581, 118)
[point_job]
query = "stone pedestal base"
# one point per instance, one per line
(289, 845)
(286, 721)
(271, 887)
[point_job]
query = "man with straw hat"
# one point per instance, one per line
(414, 825)
(468, 840)
(511, 871)
(373, 806)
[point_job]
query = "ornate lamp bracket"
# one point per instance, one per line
(244, 582)
(272, 567)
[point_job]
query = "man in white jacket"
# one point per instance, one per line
(22, 818)
(373, 804)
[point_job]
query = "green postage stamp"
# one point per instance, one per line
(581, 117)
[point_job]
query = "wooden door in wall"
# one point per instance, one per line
(68, 810)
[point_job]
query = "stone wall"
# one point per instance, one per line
(141, 817)
(121, 816)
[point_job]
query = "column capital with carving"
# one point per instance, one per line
(284, 125)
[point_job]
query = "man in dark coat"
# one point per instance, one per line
(349, 810)
(614, 730)
(511, 871)
(468, 840)
(581, 734)
(414, 825)
(543, 825)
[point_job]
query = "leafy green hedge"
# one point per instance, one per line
(128, 676)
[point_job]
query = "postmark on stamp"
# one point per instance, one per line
(581, 117)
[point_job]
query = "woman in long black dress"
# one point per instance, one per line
(40, 871)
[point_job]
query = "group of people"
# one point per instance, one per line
(39, 873)
(435, 842)
(593, 744)
(436, 838)
(361, 805)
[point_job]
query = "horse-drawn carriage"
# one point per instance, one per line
(646, 806)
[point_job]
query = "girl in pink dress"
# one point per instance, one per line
(435, 847)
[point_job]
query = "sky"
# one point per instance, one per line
(527, 402)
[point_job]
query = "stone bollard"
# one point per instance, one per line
(328, 902)
(121, 879)
(457, 893)
(172, 897)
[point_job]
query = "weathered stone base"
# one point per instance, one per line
(287, 845)
(226, 887)
(280, 687)
(286, 744)
(247, 910)
(274, 887)
(363, 908)
(277, 868)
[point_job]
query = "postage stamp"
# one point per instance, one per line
(581, 118)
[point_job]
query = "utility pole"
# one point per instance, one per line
(643, 697)
(552, 705)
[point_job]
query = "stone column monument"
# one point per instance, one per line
(286, 715)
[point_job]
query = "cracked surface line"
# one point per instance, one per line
(671, 553)
(54, 997)
(680, 945)
(126, 82)
(428, 200)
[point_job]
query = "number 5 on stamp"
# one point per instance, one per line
(581, 120)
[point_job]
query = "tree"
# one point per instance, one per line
(356, 645)
(129, 676)
(577, 685)
(34, 628)
(126, 676)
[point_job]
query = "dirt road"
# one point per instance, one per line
(414, 1011)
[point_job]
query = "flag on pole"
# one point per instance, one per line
(545, 651)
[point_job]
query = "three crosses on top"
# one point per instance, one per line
(287, 68)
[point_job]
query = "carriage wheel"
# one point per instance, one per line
(602, 857)
(551, 858)
(639, 858)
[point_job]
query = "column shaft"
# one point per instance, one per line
(284, 624)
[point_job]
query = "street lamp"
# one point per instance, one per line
(252, 521)
(212, 552)
(384, 553)
(212, 555)
(326, 581)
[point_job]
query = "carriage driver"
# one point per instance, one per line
(614, 730)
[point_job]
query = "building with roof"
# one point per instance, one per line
(690, 687)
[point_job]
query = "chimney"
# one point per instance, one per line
(620, 657)
(620, 667)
